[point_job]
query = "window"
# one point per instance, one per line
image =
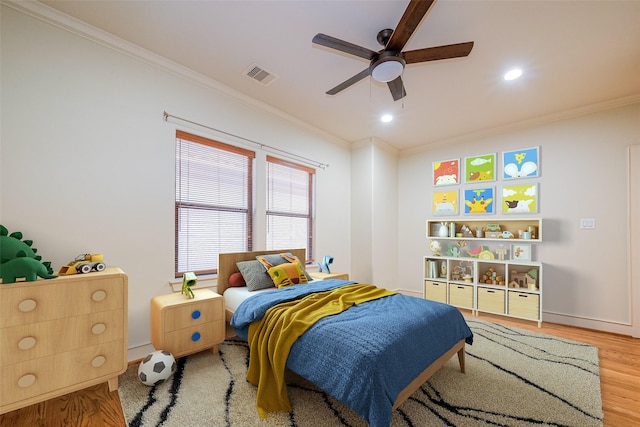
(213, 202)
(289, 205)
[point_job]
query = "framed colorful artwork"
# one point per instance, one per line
(523, 163)
(521, 252)
(479, 201)
(444, 203)
(480, 168)
(520, 199)
(446, 172)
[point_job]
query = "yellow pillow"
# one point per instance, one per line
(287, 274)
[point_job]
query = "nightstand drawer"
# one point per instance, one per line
(193, 339)
(435, 291)
(188, 315)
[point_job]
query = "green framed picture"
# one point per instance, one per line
(480, 168)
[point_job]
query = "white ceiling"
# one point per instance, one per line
(574, 54)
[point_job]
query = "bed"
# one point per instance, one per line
(417, 337)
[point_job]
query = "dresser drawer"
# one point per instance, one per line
(435, 291)
(522, 304)
(461, 295)
(32, 378)
(491, 300)
(42, 300)
(35, 340)
(193, 339)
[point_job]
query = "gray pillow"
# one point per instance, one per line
(255, 276)
(277, 259)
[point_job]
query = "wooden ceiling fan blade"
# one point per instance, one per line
(416, 10)
(345, 84)
(456, 50)
(343, 46)
(397, 89)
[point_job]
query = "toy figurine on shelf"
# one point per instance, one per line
(443, 269)
(453, 251)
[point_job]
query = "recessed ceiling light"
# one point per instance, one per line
(386, 118)
(513, 74)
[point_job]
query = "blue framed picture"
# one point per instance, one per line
(479, 201)
(523, 163)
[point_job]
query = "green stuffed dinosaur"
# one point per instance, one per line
(23, 266)
(19, 259)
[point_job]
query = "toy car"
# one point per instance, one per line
(84, 263)
(505, 235)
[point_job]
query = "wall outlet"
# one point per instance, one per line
(587, 223)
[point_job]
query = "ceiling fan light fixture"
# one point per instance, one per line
(388, 70)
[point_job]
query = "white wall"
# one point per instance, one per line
(584, 174)
(88, 163)
(374, 211)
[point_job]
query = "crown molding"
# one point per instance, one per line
(529, 123)
(82, 29)
(377, 142)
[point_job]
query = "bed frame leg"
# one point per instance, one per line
(461, 359)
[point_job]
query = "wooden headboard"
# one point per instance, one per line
(227, 263)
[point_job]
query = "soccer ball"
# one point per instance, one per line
(156, 367)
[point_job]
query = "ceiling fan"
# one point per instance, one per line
(387, 65)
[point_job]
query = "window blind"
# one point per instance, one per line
(289, 205)
(213, 208)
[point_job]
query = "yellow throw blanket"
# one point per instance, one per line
(271, 338)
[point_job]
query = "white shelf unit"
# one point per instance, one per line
(508, 287)
(513, 226)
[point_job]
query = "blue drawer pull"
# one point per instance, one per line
(195, 314)
(195, 336)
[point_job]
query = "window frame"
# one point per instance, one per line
(249, 211)
(310, 200)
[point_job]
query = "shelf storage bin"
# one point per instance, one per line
(461, 295)
(435, 291)
(491, 300)
(524, 304)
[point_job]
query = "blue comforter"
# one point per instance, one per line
(366, 355)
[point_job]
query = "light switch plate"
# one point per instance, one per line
(587, 223)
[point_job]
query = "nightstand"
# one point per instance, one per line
(184, 326)
(324, 276)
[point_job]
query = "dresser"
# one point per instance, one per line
(61, 335)
(183, 326)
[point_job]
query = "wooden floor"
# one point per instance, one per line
(619, 378)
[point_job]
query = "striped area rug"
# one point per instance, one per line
(514, 378)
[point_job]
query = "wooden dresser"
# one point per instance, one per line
(61, 335)
(184, 326)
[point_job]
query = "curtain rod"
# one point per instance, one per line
(262, 146)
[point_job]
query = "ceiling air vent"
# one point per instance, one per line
(260, 75)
